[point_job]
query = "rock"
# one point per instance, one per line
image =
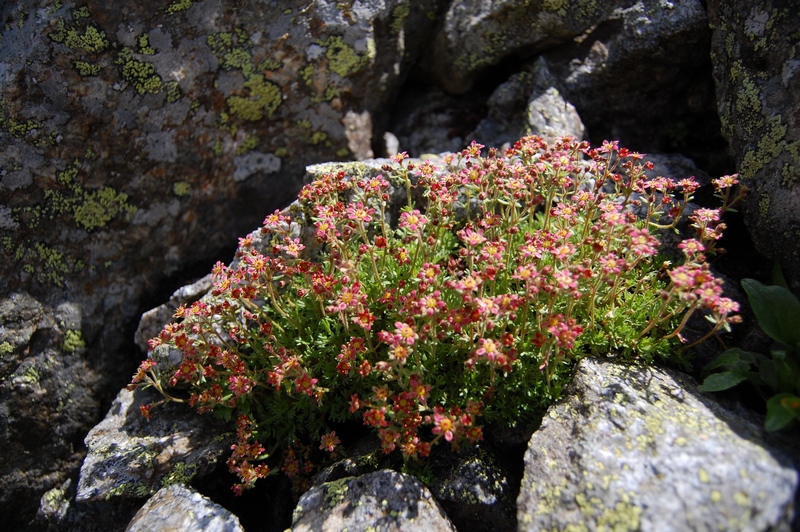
(476, 490)
(384, 500)
(139, 140)
(754, 53)
(477, 34)
(131, 457)
(639, 449)
(177, 508)
(431, 121)
(642, 77)
(154, 320)
(528, 104)
(45, 400)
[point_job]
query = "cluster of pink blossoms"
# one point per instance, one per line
(405, 318)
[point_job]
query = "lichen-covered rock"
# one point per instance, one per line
(639, 449)
(642, 77)
(385, 500)
(478, 34)
(477, 491)
(178, 508)
(132, 457)
(529, 103)
(757, 70)
(45, 400)
(139, 139)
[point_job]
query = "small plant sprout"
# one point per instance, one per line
(467, 302)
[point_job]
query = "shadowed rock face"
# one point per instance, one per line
(138, 139)
(754, 50)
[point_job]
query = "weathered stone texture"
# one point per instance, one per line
(639, 449)
(384, 500)
(757, 70)
(139, 138)
(178, 508)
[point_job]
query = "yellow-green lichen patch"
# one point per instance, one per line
(100, 207)
(560, 7)
(623, 517)
(141, 74)
(86, 69)
(180, 474)
(80, 12)
(399, 15)
(342, 59)
(263, 99)
(249, 143)
(88, 209)
(336, 491)
(178, 6)
(6, 349)
(181, 188)
(173, 91)
(143, 43)
(771, 144)
(92, 40)
(233, 51)
(73, 340)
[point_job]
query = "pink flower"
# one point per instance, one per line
(329, 441)
(443, 424)
(413, 221)
(359, 212)
(404, 333)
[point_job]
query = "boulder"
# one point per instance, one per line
(137, 142)
(529, 103)
(757, 72)
(633, 448)
(131, 457)
(476, 488)
(477, 35)
(46, 401)
(385, 500)
(641, 76)
(177, 508)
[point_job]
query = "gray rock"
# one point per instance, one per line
(132, 458)
(642, 77)
(640, 449)
(384, 500)
(135, 139)
(757, 71)
(529, 103)
(477, 491)
(44, 401)
(180, 509)
(478, 34)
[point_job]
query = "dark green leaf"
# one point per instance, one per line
(766, 370)
(781, 410)
(777, 311)
(735, 359)
(722, 381)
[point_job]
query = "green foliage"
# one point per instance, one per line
(778, 313)
(468, 304)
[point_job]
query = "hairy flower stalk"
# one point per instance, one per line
(467, 303)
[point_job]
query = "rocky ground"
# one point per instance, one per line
(138, 142)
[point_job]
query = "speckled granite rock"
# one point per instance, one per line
(757, 70)
(132, 457)
(181, 509)
(384, 501)
(478, 34)
(140, 139)
(640, 449)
